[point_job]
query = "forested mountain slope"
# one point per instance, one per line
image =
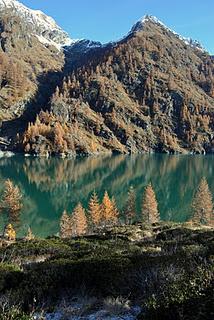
(26, 57)
(152, 91)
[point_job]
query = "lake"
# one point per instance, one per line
(51, 185)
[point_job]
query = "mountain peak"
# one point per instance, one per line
(7, 2)
(139, 26)
(43, 26)
(151, 18)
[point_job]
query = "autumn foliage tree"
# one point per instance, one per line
(79, 222)
(65, 226)
(94, 210)
(9, 233)
(59, 140)
(11, 198)
(109, 210)
(150, 211)
(202, 204)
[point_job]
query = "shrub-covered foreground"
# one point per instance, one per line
(166, 269)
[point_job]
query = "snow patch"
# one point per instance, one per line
(43, 26)
(49, 42)
(49, 33)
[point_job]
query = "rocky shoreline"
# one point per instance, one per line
(9, 154)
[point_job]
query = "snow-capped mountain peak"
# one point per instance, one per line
(7, 2)
(43, 26)
(139, 26)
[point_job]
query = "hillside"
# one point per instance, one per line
(25, 60)
(152, 91)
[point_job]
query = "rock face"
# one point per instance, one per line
(153, 91)
(26, 62)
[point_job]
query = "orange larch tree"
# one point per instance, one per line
(150, 212)
(9, 233)
(109, 210)
(79, 222)
(65, 226)
(202, 204)
(94, 210)
(11, 198)
(59, 140)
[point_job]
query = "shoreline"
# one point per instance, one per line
(10, 154)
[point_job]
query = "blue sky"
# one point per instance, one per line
(106, 20)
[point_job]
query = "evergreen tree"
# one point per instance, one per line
(202, 204)
(95, 210)
(130, 208)
(79, 221)
(150, 206)
(65, 226)
(11, 198)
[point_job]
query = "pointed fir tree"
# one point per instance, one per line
(202, 204)
(109, 210)
(94, 210)
(106, 208)
(130, 209)
(11, 198)
(65, 226)
(150, 212)
(79, 222)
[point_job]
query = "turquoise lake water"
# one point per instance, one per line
(51, 185)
